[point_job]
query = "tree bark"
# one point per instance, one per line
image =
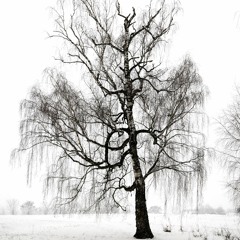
(143, 229)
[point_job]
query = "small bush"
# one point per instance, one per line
(196, 233)
(167, 228)
(226, 234)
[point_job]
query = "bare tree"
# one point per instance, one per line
(230, 137)
(13, 206)
(28, 208)
(137, 122)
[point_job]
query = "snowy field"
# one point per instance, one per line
(116, 227)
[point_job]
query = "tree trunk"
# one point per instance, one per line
(143, 230)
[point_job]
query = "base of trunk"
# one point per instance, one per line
(143, 234)
(143, 230)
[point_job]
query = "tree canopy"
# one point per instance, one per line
(229, 128)
(130, 122)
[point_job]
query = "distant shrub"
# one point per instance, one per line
(207, 209)
(220, 211)
(28, 208)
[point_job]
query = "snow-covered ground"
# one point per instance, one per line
(115, 227)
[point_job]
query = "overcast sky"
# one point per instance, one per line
(207, 30)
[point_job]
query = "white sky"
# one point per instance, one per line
(208, 30)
